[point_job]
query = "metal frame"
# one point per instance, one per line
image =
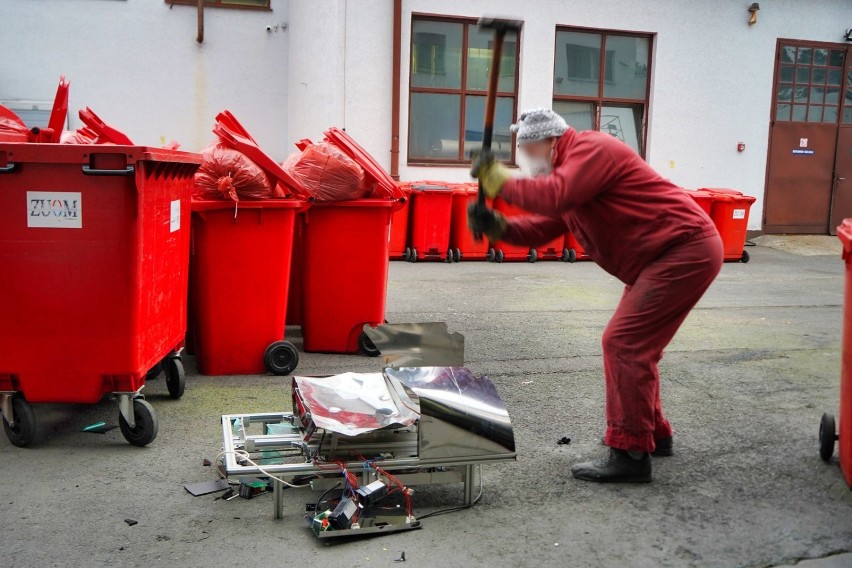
(462, 91)
(444, 470)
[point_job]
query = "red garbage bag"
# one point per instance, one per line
(327, 173)
(228, 174)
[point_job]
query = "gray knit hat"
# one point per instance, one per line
(539, 124)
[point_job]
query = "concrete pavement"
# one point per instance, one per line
(744, 384)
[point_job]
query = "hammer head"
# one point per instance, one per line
(500, 25)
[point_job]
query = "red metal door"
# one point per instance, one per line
(810, 81)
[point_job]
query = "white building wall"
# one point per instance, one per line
(136, 64)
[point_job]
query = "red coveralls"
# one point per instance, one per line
(645, 231)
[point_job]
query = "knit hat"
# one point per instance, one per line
(539, 124)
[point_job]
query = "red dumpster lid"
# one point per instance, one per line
(85, 154)
(345, 142)
(844, 233)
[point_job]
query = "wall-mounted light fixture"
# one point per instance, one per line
(753, 10)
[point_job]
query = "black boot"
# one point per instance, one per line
(664, 447)
(618, 466)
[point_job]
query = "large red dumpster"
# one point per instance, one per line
(462, 243)
(429, 222)
(729, 212)
(828, 432)
(94, 244)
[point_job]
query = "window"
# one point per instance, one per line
(600, 82)
(809, 85)
(249, 4)
(450, 61)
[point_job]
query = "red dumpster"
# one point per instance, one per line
(399, 228)
(462, 243)
(241, 257)
(97, 239)
(429, 224)
(573, 250)
(704, 199)
(502, 251)
(345, 273)
(346, 260)
(828, 433)
(730, 214)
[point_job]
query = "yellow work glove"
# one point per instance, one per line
(491, 173)
(485, 221)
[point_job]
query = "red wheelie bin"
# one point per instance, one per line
(462, 244)
(346, 261)
(729, 212)
(398, 250)
(241, 276)
(502, 251)
(828, 431)
(704, 199)
(94, 243)
(429, 222)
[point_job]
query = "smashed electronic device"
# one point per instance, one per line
(366, 438)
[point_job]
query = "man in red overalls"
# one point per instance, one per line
(639, 227)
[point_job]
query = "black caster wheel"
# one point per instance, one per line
(147, 425)
(281, 358)
(413, 256)
(491, 255)
(745, 257)
(569, 255)
(155, 372)
(23, 432)
(499, 256)
(367, 347)
(827, 436)
(449, 255)
(457, 255)
(533, 255)
(407, 254)
(175, 377)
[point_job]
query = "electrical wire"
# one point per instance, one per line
(456, 509)
(245, 456)
(317, 509)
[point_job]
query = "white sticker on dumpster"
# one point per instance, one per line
(739, 213)
(55, 209)
(174, 220)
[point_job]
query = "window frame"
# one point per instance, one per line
(463, 92)
(222, 4)
(776, 81)
(600, 100)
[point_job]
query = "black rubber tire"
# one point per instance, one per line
(281, 358)
(449, 255)
(23, 432)
(155, 372)
(746, 257)
(367, 347)
(146, 427)
(564, 257)
(491, 255)
(457, 255)
(827, 436)
(413, 256)
(499, 256)
(572, 255)
(532, 256)
(406, 254)
(175, 377)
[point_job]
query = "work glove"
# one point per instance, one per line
(485, 221)
(490, 173)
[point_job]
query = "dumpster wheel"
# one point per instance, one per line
(499, 256)
(23, 431)
(827, 436)
(145, 430)
(569, 255)
(175, 377)
(367, 347)
(457, 255)
(745, 257)
(532, 256)
(281, 358)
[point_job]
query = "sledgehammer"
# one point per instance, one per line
(501, 28)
